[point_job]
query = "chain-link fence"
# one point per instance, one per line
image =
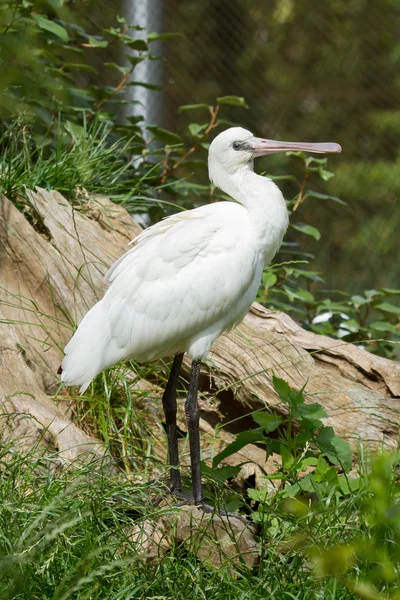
(309, 71)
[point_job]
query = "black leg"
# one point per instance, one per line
(192, 418)
(169, 404)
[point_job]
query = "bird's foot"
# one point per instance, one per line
(208, 509)
(178, 493)
(187, 499)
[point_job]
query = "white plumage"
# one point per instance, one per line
(191, 276)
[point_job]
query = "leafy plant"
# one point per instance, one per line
(50, 63)
(345, 526)
(300, 438)
(366, 563)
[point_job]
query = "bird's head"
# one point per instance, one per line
(237, 147)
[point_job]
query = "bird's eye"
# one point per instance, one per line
(236, 145)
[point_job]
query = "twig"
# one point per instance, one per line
(211, 125)
(301, 197)
(121, 84)
(165, 163)
(117, 89)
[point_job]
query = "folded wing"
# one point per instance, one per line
(188, 274)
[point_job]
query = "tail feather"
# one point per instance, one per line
(87, 352)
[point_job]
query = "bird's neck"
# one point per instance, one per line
(264, 202)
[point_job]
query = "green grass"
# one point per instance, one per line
(81, 161)
(65, 530)
(66, 535)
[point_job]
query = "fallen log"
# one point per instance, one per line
(360, 391)
(51, 271)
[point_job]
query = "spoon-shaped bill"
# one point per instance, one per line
(262, 146)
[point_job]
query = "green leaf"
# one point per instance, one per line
(96, 42)
(390, 291)
(348, 484)
(134, 60)
(79, 66)
(287, 456)
(291, 491)
(337, 449)
(325, 174)
(120, 68)
(193, 107)
(51, 26)
(296, 397)
(321, 196)
(55, 4)
(307, 229)
(165, 136)
(388, 307)
(242, 439)
(331, 479)
(350, 325)
(195, 129)
(76, 131)
(233, 101)
(269, 279)
(306, 484)
(258, 495)
(268, 421)
(322, 469)
(335, 307)
(310, 411)
(299, 293)
(163, 36)
(310, 461)
(220, 474)
(282, 388)
(383, 326)
(372, 293)
(359, 300)
(148, 86)
(139, 45)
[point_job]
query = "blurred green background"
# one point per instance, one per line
(310, 71)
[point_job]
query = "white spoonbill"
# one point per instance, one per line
(187, 279)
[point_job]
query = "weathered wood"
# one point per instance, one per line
(28, 416)
(51, 272)
(359, 390)
(51, 277)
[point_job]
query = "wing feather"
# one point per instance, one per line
(182, 275)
